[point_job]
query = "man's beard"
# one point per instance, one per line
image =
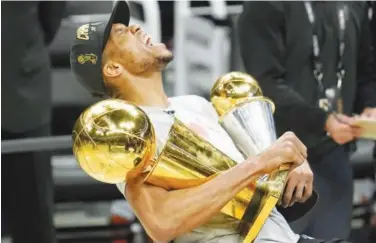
(163, 61)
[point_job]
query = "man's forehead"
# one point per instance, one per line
(115, 27)
(112, 40)
(118, 25)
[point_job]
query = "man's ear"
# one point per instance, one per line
(112, 69)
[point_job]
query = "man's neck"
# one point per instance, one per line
(146, 91)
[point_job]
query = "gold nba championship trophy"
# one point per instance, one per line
(247, 116)
(115, 140)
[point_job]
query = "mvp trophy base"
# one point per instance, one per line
(271, 193)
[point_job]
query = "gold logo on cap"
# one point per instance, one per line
(91, 57)
(83, 32)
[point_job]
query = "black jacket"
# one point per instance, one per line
(28, 27)
(373, 32)
(373, 27)
(276, 46)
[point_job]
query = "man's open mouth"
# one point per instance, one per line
(148, 41)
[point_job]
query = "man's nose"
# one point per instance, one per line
(134, 28)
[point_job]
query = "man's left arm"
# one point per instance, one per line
(50, 15)
(365, 102)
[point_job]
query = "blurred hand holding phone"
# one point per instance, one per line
(367, 125)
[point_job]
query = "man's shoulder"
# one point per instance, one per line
(194, 104)
(188, 100)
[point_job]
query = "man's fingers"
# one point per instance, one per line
(298, 195)
(301, 147)
(343, 136)
(293, 153)
(291, 137)
(346, 135)
(308, 188)
(298, 155)
(357, 131)
(287, 196)
(345, 119)
(341, 140)
(344, 128)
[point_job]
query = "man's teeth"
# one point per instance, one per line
(149, 42)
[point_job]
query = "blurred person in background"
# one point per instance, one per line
(373, 31)
(372, 236)
(373, 27)
(299, 52)
(26, 178)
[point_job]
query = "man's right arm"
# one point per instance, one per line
(168, 214)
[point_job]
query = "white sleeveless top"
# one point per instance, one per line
(199, 115)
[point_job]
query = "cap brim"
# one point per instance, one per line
(120, 15)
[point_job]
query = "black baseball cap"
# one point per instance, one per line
(87, 49)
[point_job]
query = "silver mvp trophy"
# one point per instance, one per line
(247, 116)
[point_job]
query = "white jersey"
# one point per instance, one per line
(199, 115)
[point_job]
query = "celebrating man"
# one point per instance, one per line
(121, 61)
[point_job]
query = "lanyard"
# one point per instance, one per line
(317, 64)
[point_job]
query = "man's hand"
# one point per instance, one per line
(299, 185)
(340, 129)
(288, 149)
(369, 113)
